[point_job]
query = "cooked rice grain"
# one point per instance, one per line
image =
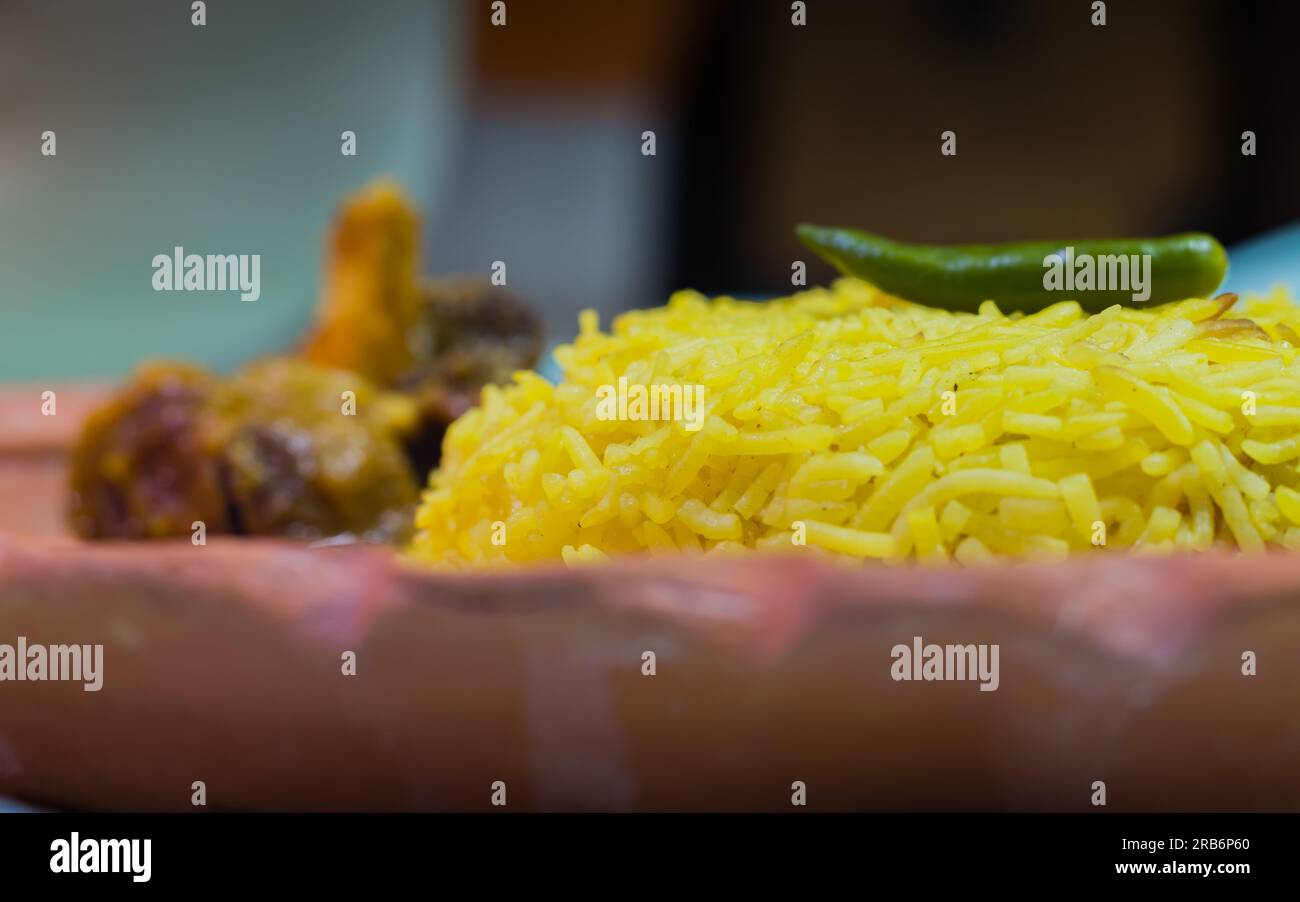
(846, 422)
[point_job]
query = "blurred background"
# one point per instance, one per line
(523, 143)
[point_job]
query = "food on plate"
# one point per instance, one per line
(370, 300)
(142, 466)
(282, 448)
(471, 334)
(851, 423)
(843, 421)
(439, 340)
(334, 441)
(961, 277)
(379, 319)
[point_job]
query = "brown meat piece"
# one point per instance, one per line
(298, 463)
(469, 334)
(472, 334)
(278, 449)
(144, 467)
(371, 296)
(268, 451)
(441, 340)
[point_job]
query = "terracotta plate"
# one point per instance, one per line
(224, 664)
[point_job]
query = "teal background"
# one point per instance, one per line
(222, 139)
(1259, 264)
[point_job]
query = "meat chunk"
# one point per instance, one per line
(282, 448)
(144, 466)
(469, 334)
(273, 449)
(371, 299)
(310, 451)
(439, 340)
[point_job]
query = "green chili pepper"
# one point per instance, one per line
(1031, 275)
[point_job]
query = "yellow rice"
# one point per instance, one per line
(846, 422)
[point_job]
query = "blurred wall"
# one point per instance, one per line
(522, 143)
(551, 178)
(221, 139)
(1064, 129)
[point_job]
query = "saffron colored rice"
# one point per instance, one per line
(845, 422)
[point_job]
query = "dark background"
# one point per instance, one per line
(1063, 128)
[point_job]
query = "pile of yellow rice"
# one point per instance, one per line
(848, 422)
